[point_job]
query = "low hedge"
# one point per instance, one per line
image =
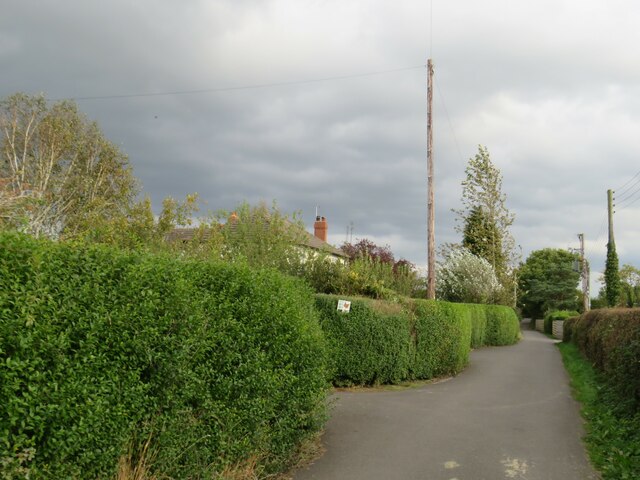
(369, 345)
(610, 339)
(106, 355)
(382, 342)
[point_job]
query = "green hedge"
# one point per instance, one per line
(610, 339)
(382, 342)
(478, 315)
(102, 351)
(443, 338)
(503, 325)
(367, 346)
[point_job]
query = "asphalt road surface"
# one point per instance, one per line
(509, 415)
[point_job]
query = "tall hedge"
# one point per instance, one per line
(381, 342)
(102, 352)
(503, 326)
(443, 338)
(478, 316)
(610, 339)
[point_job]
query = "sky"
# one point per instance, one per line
(322, 104)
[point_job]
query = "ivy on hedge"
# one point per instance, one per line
(102, 350)
(379, 342)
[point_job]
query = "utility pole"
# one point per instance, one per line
(611, 273)
(586, 295)
(610, 214)
(431, 238)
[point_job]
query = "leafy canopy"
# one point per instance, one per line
(548, 281)
(58, 172)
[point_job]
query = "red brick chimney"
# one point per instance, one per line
(320, 228)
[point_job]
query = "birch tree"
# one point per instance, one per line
(58, 173)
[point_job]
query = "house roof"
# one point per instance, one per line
(306, 239)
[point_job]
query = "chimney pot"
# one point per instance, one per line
(320, 228)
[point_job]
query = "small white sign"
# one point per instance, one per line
(344, 306)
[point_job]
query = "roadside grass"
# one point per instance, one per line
(613, 432)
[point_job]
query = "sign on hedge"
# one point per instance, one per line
(344, 306)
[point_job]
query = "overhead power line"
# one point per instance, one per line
(622, 189)
(243, 87)
(629, 204)
(630, 193)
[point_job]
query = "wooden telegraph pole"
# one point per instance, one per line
(431, 242)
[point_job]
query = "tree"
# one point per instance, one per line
(484, 215)
(58, 173)
(465, 277)
(630, 286)
(259, 235)
(480, 235)
(373, 268)
(548, 281)
(367, 248)
(612, 275)
(137, 227)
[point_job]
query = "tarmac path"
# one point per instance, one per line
(508, 415)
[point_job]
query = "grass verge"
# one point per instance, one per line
(613, 433)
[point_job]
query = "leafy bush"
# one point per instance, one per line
(465, 277)
(102, 350)
(324, 274)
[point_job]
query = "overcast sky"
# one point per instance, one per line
(551, 88)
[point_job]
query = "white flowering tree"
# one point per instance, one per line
(465, 277)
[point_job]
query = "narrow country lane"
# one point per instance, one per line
(509, 415)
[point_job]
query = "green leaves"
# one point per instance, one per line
(101, 350)
(380, 342)
(612, 276)
(59, 174)
(548, 282)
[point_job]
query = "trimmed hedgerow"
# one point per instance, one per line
(102, 352)
(381, 342)
(610, 339)
(369, 345)
(443, 338)
(503, 326)
(478, 316)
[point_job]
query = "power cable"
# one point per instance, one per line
(628, 195)
(243, 87)
(453, 132)
(629, 201)
(627, 183)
